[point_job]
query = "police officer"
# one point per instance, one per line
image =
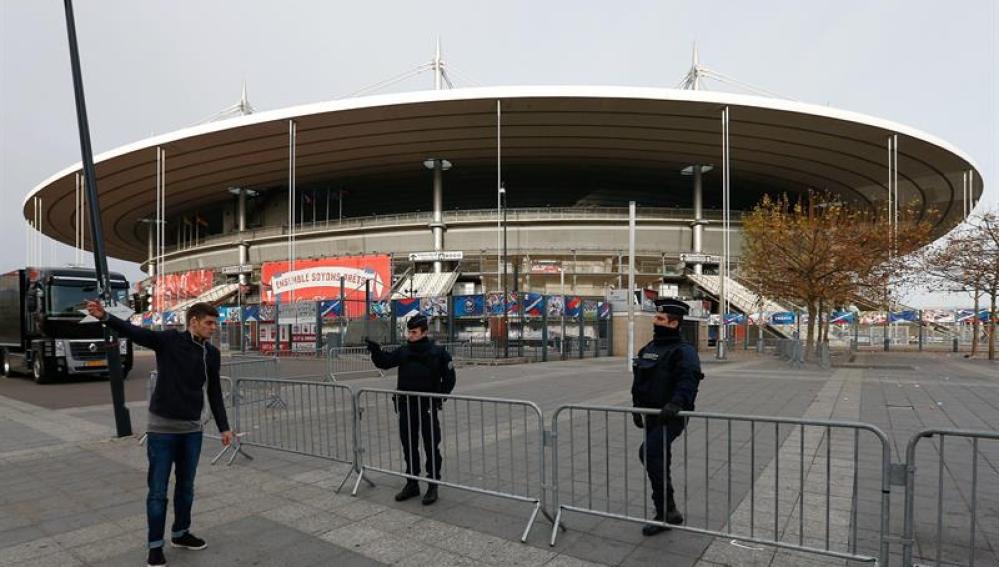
(423, 367)
(666, 375)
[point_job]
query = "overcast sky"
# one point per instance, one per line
(155, 66)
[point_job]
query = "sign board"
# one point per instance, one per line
(241, 269)
(699, 259)
(669, 290)
(545, 267)
(442, 256)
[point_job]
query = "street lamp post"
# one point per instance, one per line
(506, 317)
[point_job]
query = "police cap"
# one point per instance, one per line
(417, 321)
(671, 306)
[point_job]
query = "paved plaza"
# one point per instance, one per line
(72, 495)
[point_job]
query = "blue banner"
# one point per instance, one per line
(735, 319)
(842, 318)
(907, 316)
(469, 306)
(406, 307)
(573, 306)
(534, 304)
(604, 310)
(782, 318)
(331, 308)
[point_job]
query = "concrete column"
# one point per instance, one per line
(437, 225)
(241, 223)
(151, 263)
(698, 227)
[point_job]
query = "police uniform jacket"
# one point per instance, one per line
(666, 370)
(423, 366)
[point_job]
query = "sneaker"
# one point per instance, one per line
(189, 541)
(411, 490)
(156, 557)
(431, 496)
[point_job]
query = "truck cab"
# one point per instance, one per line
(40, 329)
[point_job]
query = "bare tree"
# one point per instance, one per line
(967, 261)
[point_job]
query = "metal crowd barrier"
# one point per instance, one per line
(313, 418)
(798, 509)
(958, 514)
(490, 446)
(792, 351)
(342, 361)
(249, 366)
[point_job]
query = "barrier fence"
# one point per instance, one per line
(959, 531)
(815, 486)
(794, 502)
(305, 417)
(490, 446)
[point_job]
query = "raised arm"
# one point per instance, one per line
(138, 335)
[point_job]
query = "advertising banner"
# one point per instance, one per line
(604, 310)
(782, 318)
(573, 306)
(590, 309)
(841, 318)
(469, 306)
(556, 306)
(534, 304)
(407, 307)
(174, 288)
(319, 279)
(331, 308)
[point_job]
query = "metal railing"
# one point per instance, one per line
(454, 217)
(342, 361)
(958, 514)
(808, 517)
(313, 418)
(249, 366)
(490, 446)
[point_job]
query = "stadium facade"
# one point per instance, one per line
(463, 178)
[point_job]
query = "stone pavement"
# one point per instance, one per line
(70, 495)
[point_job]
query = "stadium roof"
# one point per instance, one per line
(788, 145)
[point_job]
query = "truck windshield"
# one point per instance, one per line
(67, 297)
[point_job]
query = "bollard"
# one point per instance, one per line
(955, 344)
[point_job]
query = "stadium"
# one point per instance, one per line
(422, 195)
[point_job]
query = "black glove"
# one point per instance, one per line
(639, 422)
(372, 345)
(670, 411)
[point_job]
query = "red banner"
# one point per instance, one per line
(171, 289)
(313, 280)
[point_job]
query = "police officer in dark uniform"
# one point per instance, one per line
(423, 367)
(666, 376)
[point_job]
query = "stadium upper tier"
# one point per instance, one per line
(566, 146)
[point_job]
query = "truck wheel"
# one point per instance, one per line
(38, 371)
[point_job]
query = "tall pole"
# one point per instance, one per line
(123, 422)
(499, 188)
(506, 315)
(631, 285)
(561, 274)
(292, 136)
(697, 237)
(724, 264)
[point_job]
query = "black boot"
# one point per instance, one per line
(411, 490)
(653, 529)
(431, 496)
(673, 516)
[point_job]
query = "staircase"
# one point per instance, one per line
(425, 285)
(214, 296)
(740, 297)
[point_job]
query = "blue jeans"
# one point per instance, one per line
(166, 450)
